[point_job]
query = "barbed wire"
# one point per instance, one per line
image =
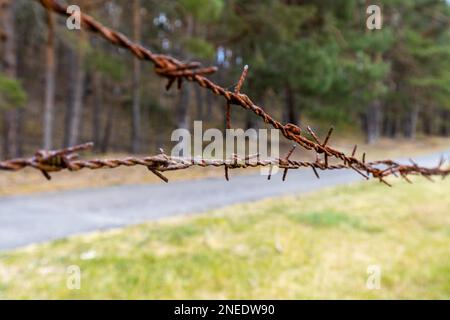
(176, 71)
(68, 159)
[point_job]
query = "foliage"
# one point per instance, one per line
(204, 10)
(12, 94)
(200, 48)
(106, 64)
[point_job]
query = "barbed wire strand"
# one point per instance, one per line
(68, 159)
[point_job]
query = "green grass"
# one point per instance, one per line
(313, 246)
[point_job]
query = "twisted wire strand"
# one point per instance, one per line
(67, 159)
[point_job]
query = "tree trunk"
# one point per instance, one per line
(199, 101)
(387, 126)
(427, 121)
(291, 111)
(98, 106)
(182, 107)
(71, 70)
(373, 121)
(78, 93)
(108, 129)
(10, 117)
(109, 125)
(209, 104)
(445, 123)
(136, 118)
(411, 123)
(49, 83)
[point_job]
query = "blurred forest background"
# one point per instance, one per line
(312, 59)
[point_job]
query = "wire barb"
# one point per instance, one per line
(240, 83)
(286, 160)
(237, 89)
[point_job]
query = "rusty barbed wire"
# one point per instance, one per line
(68, 159)
(396, 169)
(176, 71)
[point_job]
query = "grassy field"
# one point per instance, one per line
(314, 246)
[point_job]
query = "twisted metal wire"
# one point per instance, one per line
(175, 70)
(67, 159)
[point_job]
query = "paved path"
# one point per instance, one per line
(42, 217)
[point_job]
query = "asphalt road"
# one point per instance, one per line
(42, 217)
